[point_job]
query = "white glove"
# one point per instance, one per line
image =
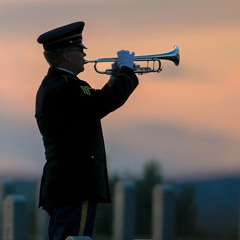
(125, 58)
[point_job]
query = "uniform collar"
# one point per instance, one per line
(54, 71)
(65, 70)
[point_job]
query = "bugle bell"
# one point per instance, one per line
(154, 60)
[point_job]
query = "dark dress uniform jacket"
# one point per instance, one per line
(68, 114)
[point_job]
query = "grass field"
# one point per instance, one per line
(104, 237)
(107, 237)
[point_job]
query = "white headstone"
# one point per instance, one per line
(124, 211)
(14, 218)
(6, 188)
(78, 238)
(163, 213)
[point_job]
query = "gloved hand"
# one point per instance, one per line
(125, 58)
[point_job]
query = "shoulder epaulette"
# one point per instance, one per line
(85, 89)
(66, 77)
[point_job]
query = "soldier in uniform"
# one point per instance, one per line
(68, 114)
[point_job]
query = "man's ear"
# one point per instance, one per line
(67, 56)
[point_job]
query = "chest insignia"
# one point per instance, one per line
(86, 90)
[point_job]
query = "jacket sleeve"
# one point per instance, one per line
(118, 90)
(98, 103)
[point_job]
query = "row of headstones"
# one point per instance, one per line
(163, 212)
(19, 214)
(163, 215)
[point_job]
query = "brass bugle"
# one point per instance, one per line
(154, 60)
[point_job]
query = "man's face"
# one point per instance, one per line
(77, 55)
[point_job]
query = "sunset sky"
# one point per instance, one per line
(185, 117)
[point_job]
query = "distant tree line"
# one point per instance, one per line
(151, 176)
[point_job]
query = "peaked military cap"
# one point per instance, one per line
(68, 35)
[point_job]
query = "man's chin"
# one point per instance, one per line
(81, 70)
